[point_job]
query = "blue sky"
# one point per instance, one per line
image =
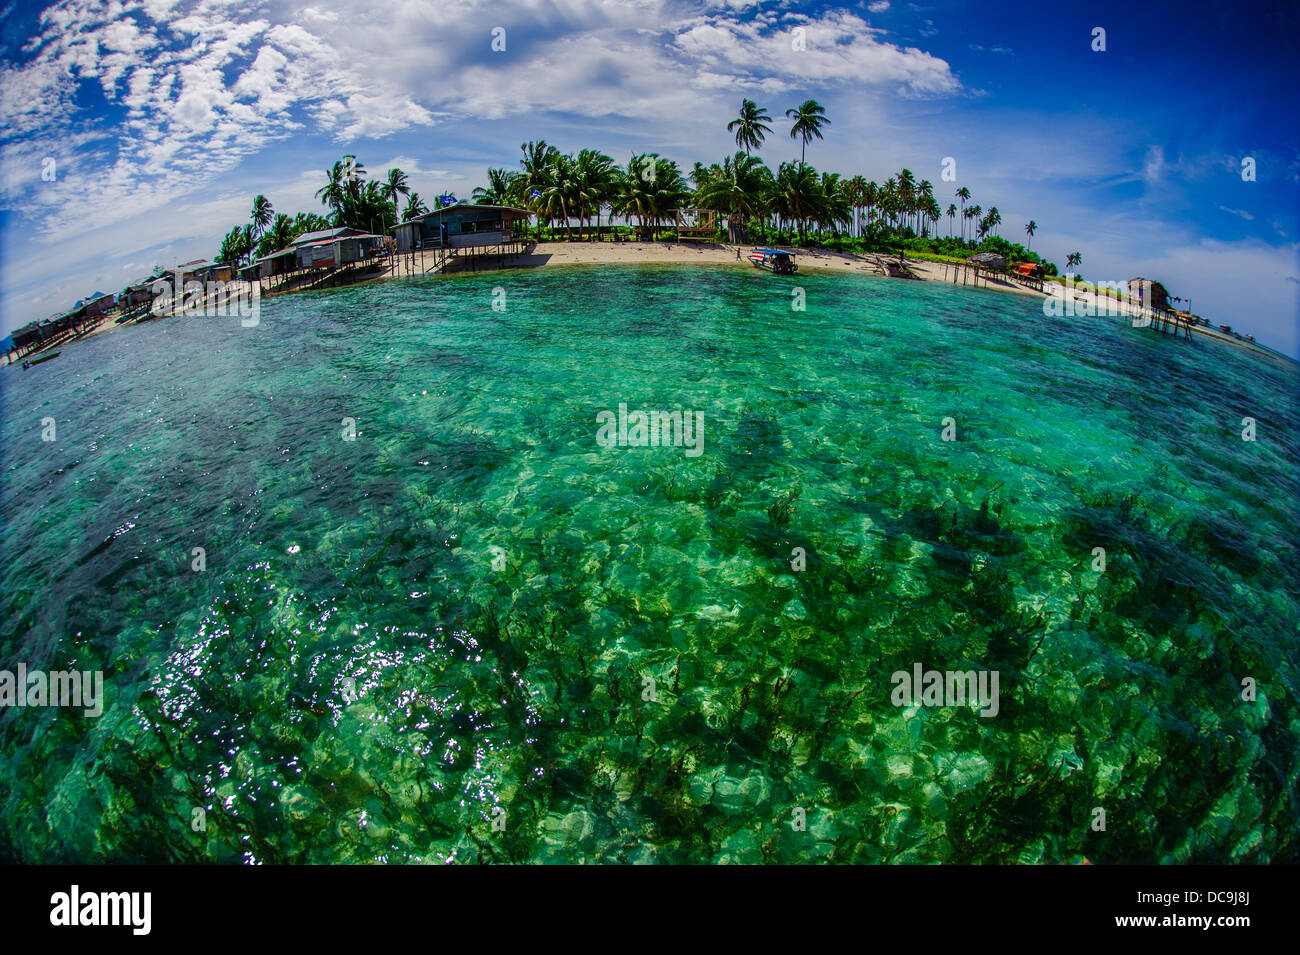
(165, 117)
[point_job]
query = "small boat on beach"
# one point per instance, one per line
(37, 361)
(774, 260)
(896, 270)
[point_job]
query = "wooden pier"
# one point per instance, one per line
(438, 259)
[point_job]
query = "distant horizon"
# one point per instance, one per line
(185, 113)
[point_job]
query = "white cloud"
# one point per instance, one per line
(199, 91)
(837, 48)
(1242, 213)
(1267, 272)
(201, 94)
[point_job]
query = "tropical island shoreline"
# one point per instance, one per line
(669, 253)
(717, 214)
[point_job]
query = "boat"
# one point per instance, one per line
(896, 270)
(774, 260)
(37, 361)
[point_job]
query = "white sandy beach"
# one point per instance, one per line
(696, 253)
(680, 253)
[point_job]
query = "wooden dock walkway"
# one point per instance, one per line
(438, 259)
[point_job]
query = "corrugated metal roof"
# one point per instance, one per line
(319, 242)
(308, 238)
(461, 207)
(275, 255)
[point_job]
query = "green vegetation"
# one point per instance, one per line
(808, 122)
(750, 126)
(352, 201)
(792, 204)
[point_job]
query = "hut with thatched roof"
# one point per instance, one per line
(988, 260)
(1148, 294)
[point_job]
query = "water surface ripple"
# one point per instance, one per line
(455, 619)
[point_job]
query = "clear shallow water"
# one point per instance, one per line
(372, 562)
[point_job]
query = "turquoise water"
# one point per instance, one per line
(457, 613)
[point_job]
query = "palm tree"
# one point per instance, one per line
(808, 122)
(855, 190)
(353, 173)
(669, 193)
(1072, 260)
(236, 245)
(925, 196)
(305, 222)
(364, 205)
(993, 220)
(497, 192)
(559, 194)
(395, 185)
(951, 213)
(737, 189)
(652, 189)
(331, 194)
(834, 208)
(797, 196)
(595, 179)
(414, 207)
(1030, 228)
(872, 196)
(963, 194)
(633, 198)
(906, 195)
(932, 212)
(529, 184)
(750, 126)
(889, 207)
(278, 236)
(261, 214)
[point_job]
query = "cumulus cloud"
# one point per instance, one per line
(835, 48)
(146, 104)
(192, 91)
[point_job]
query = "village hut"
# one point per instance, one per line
(1148, 293)
(991, 261)
(460, 226)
